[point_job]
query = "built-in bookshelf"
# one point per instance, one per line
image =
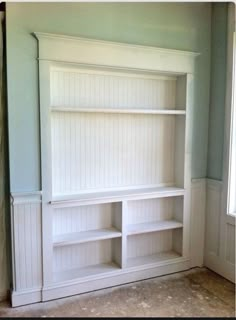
(116, 164)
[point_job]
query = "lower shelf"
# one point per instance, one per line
(154, 258)
(87, 271)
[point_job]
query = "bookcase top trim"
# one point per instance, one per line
(62, 48)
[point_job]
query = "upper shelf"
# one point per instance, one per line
(114, 196)
(133, 111)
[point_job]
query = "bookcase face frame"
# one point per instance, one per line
(116, 155)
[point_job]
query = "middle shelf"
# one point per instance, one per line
(153, 226)
(109, 233)
(85, 236)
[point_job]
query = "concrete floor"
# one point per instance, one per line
(195, 293)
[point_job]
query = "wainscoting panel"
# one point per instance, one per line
(219, 234)
(26, 242)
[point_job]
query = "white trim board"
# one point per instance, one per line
(63, 48)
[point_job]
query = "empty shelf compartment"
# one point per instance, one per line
(86, 259)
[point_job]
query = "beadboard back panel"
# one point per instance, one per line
(149, 244)
(151, 210)
(84, 218)
(85, 254)
(108, 151)
(76, 88)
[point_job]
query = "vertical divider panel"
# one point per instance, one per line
(46, 165)
(187, 166)
(124, 233)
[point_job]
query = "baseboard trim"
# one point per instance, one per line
(21, 298)
(62, 290)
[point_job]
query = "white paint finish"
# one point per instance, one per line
(84, 255)
(88, 271)
(148, 244)
(130, 111)
(27, 197)
(139, 228)
(46, 169)
(154, 210)
(113, 54)
(78, 88)
(152, 259)
(23, 297)
(105, 197)
(85, 218)
(154, 157)
(27, 250)
(102, 151)
(86, 236)
(119, 277)
(198, 211)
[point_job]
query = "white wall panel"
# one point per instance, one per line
(149, 244)
(84, 88)
(27, 245)
(83, 218)
(100, 151)
(152, 210)
(82, 255)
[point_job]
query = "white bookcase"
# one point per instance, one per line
(116, 162)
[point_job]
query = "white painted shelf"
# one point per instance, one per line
(124, 110)
(112, 196)
(152, 259)
(153, 226)
(85, 236)
(87, 271)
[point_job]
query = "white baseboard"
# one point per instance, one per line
(70, 288)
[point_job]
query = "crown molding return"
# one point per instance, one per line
(62, 48)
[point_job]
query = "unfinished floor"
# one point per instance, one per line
(195, 293)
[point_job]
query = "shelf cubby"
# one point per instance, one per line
(86, 223)
(156, 214)
(153, 248)
(86, 259)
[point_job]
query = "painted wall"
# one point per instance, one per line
(217, 90)
(184, 26)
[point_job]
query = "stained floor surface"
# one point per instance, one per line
(195, 293)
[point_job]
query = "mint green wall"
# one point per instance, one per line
(184, 26)
(217, 91)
